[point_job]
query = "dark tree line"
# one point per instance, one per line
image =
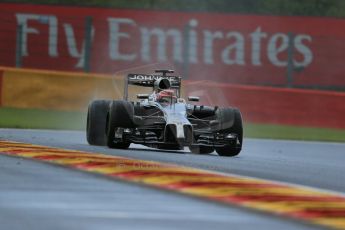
(330, 8)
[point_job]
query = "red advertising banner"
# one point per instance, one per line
(245, 49)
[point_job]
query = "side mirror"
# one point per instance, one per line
(143, 96)
(193, 98)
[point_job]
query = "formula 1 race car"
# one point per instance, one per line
(164, 120)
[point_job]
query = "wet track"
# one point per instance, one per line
(40, 196)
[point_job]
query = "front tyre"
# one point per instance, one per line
(96, 121)
(236, 128)
(120, 116)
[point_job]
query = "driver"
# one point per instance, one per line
(166, 96)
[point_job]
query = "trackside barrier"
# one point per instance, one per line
(28, 88)
(1, 74)
(275, 105)
(25, 88)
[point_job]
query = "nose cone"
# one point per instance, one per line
(179, 133)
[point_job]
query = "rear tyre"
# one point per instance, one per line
(225, 119)
(120, 115)
(96, 121)
(201, 149)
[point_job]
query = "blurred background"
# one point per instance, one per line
(279, 61)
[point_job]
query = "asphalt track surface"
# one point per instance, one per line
(36, 195)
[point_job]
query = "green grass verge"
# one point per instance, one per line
(294, 133)
(48, 119)
(41, 119)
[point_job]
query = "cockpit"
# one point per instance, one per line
(166, 97)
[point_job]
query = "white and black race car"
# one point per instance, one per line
(164, 120)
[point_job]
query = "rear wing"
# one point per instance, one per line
(148, 80)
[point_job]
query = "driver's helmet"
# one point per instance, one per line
(166, 96)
